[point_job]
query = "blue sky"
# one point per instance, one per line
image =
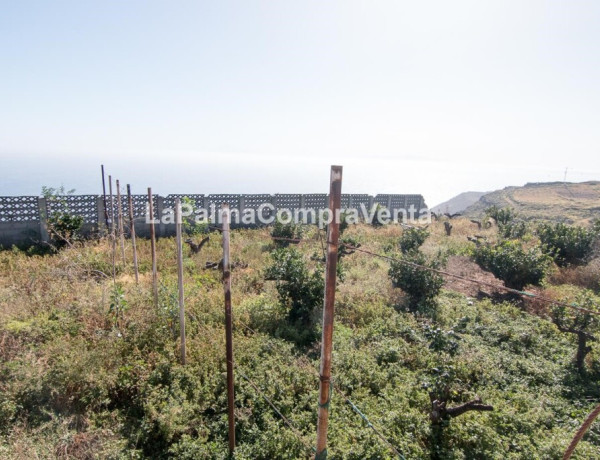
(191, 96)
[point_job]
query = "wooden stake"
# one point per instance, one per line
(153, 247)
(335, 199)
(132, 231)
(104, 198)
(112, 206)
(120, 215)
(180, 277)
(228, 327)
(112, 230)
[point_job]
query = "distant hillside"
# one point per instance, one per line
(558, 201)
(459, 203)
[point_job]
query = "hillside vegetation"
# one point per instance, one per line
(556, 201)
(90, 369)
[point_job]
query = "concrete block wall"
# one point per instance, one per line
(23, 218)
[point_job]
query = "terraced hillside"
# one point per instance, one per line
(557, 201)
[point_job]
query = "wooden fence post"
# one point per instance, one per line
(111, 206)
(120, 214)
(104, 198)
(153, 247)
(112, 230)
(132, 232)
(335, 198)
(228, 326)
(180, 277)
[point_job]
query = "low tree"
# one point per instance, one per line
(444, 387)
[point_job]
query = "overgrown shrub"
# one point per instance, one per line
(192, 227)
(63, 226)
(502, 216)
(513, 229)
(118, 305)
(441, 340)
(412, 239)
(566, 244)
(421, 285)
(299, 288)
(282, 233)
(512, 263)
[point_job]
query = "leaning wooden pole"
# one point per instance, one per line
(120, 216)
(333, 234)
(582, 430)
(104, 197)
(228, 326)
(180, 276)
(153, 247)
(132, 231)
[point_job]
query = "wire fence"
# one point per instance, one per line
(303, 364)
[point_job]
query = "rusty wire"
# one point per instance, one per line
(459, 277)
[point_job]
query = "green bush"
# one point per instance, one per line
(412, 239)
(190, 226)
(566, 244)
(502, 216)
(512, 263)
(441, 340)
(285, 231)
(421, 285)
(63, 226)
(298, 288)
(513, 230)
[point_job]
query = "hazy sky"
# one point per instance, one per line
(195, 96)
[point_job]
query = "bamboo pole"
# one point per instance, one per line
(180, 277)
(112, 230)
(335, 198)
(132, 230)
(120, 215)
(228, 327)
(104, 197)
(153, 247)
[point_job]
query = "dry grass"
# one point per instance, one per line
(585, 276)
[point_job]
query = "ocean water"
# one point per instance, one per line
(187, 172)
